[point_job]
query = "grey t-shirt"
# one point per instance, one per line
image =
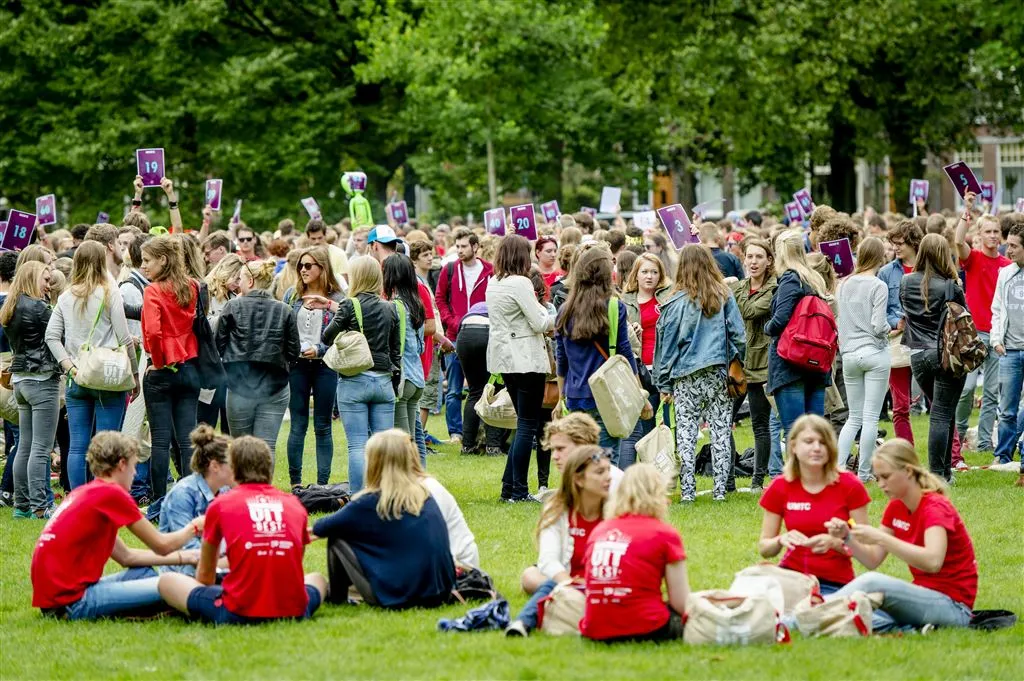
(1013, 339)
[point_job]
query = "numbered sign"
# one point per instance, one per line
(214, 189)
(592, 212)
(918, 190)
(702, 209)
(793, 212)
(524, 221)
(1019, 206)
(988, 192)
(102, 218)
(962, 177)
(678, 226)
(46, 210)
(839, 254)
(610, 197)
(151, 166)
(310, 204)
(18, 234)
(3, 228)
(399, 212)
(803, 199)
(237, 217)
(645, 219)
(550, 211)
(494, 221)
(356, 180)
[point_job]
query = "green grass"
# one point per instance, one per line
(345, 641)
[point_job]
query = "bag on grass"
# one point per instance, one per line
(559, 613)
(323, 498)
(349, 354)
(838, 616)
(615, 387)
(9, 407)
(496, 408)
(796, 586)
(991, 620)
(658, 448)
(725, 618)
(472, 584)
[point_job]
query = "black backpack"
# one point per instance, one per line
(473, 584)
(323, 498)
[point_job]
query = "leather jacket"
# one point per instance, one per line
(257, 328)
(380, 326)
(922, 329)
(26, 332)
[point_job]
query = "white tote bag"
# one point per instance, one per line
(107, 369)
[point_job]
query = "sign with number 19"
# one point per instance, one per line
(151, 166)
(524, 221)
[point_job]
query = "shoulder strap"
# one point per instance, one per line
(357, 308)
(613, 325)
(96, 321)
(400, 308)
(451, 273)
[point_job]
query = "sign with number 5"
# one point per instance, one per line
(20, 227)
(962, 177)
(151, 166)
(524, 221)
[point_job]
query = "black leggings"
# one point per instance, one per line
(471, 348)
(760, 414)
(670, 631)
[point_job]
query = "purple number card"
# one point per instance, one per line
(549, 210)
(962, 177)
(524, 221)
(803, 199)
(918, 190)
(793, 212)
(102, 218)
(310, 204)
(237, 217)
(399, 212)
(839, 254)
(357, 181)
(678, 226)
(3, 229)
(46, 210)
(494, 221)
(151, 166)
(18, 234)
(592, 212)
(988, 191)
(1019, 206)
(214, 189)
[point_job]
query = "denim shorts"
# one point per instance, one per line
(205, 603)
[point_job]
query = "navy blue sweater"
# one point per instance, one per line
(577, 360)
(408, 562)
(780, 372)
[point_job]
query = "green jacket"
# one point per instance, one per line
(756, 310)
(633, 307)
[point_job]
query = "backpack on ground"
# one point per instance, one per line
(473, 584)
(322, 498)
(615, 386)
(811, 338)
(960, 349)
(349, 354)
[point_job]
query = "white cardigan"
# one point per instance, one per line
(515, 344)
(460, 537)
(999, 301)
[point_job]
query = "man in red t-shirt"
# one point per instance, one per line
(68, 561)
(266, 533)
(981, 269)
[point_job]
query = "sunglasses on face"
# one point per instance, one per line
(307, 266)
(244, 239)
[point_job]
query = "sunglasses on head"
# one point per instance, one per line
(307, 266)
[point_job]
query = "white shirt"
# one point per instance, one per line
(470, 274)
(460, 537)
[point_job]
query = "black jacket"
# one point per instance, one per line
(380, 326)
(257, 328)
(922, 328)
(25, 333)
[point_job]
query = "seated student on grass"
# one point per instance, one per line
(192, 495)
(68, 561)
(628, 557)
(266, 535)
(567, 521)
(564, 435)
(921, 527)
(391, 541)
(811, 491)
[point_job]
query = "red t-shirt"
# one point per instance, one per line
(266, 534)
(580, 529)
(551, 277)
(808, 513)
(427, 358)
(649, 313)
(626, 559)
(981, 273)
(958, 577)
(77, 541)
(907, 269)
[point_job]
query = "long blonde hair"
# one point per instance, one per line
(89, 272)
(698, 276)
(823, 428)
(393, 471)
(26, 282)
(789, 255)
(640, 492)
(172, 277)
(221, 276)
(568, 498)
(364, 276)
(632, 284)
(900, 455)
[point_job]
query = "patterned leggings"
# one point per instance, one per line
(699, 397)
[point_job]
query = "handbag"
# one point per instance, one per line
(551, 392)
(559, 613)
(615, 386)
(108, 369)
(841, 616)
(796, 586)
(735, 378)
(210, 368)
(725, 618)
(658, 448)
(349, 355)
(899, 355)
(495, 407)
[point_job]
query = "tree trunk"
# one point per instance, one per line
(842, 182)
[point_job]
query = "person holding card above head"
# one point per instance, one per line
(90, 313)
(266, 533)
(864, 340)
(981, 271)
(921, 527)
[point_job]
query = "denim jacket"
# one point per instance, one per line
(688, 341)
(187, 500)
(892, 275)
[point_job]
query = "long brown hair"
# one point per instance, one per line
(172, 277)
(321, 257)
(26, 282)
(763, 244)
(870, 255)
(89, 272)
(934, 259)
(586, 308)
(698, 277)
(513, 257)
(568, 498)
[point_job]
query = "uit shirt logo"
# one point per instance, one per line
(607, 555)
(267, 515)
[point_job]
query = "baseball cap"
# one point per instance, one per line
(382, 233)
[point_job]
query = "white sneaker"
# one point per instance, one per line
(516, 630)
(455, 439)
(961, 466)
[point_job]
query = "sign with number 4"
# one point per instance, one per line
(839, 254)
(524, 221)
(46, 210)
(19, 230)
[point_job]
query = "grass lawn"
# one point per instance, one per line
(345, 641)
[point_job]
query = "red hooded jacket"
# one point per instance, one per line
(452, 298)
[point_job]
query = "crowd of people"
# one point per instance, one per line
(139, 355)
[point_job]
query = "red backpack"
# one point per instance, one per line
(811, 339)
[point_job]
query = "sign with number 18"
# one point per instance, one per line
(18, 234)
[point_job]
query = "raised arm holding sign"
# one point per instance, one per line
(214, 190)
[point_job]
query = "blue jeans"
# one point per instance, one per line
(258, 416)
(117, 594)
(12, 436)
(453, 396)
(89, 411)
(421, 443)
(907, 605)
(625, 455)
(527, 393)
(605, 439)
(1011, 380)
(775, 460)
(989, 397)
(799, 398)
(38, 410)
(367, 406)
(207, 603)
(528, 615)
(311, 378)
